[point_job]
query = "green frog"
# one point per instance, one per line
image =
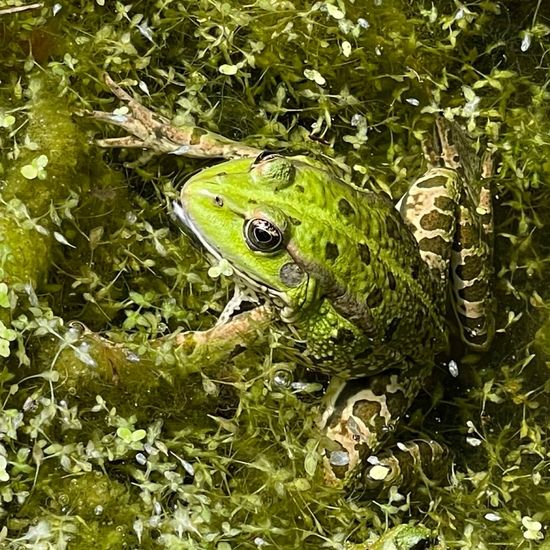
(364, 283)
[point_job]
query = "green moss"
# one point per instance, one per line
(26, 198)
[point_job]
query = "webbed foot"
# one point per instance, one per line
(155, 133)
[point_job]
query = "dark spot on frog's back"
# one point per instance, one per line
(331, 251)
(345, 336)
(476, 339)
(375, 298)
(466, 235)
(345, 208)
(364, 253)
(436, 181)
(392, 284)
(473, 324)
(390, 331)
(444, 203)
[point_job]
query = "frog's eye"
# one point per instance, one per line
(262, 235)
(265, 155)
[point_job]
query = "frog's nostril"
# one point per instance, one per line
(218, 201)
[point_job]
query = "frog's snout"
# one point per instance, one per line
(194, 196)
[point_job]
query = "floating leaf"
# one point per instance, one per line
(29, 171)
(228, 69)
(4, 476)
(346, 48)
(41, 161)
(138, 435)
(316, 76)
(124, 433)
(333, 11)
(222, 268)
(4, 296)
(4, 348)
(6, 121)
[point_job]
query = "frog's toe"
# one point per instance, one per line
(403, 466)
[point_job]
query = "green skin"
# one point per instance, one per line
(347, 268)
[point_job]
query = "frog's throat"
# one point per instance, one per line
(283, 302)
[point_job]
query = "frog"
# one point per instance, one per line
(366, 285)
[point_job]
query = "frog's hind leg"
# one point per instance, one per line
(472, 265)
(449, 212)
(453, 225)
(360, 416)
(430, 208)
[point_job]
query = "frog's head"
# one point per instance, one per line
(245, 211)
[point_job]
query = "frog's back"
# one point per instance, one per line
(381, 302)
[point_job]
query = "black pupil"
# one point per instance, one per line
(263, 235)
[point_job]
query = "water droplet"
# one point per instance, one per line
(282, 379)
(29, 404)
(131, 356)
(453, 368)
(141, 459)
(76, 328)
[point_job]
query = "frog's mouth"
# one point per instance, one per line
(253, 292)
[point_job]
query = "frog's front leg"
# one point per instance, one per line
(359, 418)
(220, 342)
(153, 132)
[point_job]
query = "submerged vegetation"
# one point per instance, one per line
(171, 454)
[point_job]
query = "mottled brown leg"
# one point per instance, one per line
(360, 417)
(404, 465)
(153, 132)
